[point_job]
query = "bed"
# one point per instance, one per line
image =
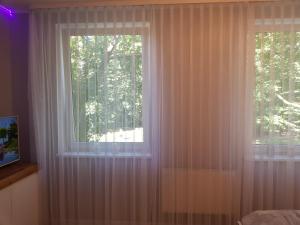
(272, 217)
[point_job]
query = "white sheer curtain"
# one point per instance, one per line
(276, 125)
(143, 115)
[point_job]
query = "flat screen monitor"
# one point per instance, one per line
(9, 140)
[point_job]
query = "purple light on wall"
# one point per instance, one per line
(6, 10)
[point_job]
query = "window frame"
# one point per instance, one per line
(110, 149)
(264, 151)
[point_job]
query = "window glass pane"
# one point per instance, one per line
(107, 88)
(277, 93)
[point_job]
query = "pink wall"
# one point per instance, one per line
(5, 65)
(14, 74)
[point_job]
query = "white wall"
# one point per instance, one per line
(19, 202)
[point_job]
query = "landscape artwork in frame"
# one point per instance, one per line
(9, 140)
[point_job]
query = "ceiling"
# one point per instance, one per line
(25, 4)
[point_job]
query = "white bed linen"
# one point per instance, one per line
(273, 217)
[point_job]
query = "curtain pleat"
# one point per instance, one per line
(165, 114)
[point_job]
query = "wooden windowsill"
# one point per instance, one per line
(15, 172)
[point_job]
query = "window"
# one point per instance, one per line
(108, 79)
(277, 90)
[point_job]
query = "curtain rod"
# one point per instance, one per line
(67, 4)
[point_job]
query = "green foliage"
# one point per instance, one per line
(12, 131)
(3, 133)
(12, 145)
(106, 84)
(277, 90)
(9, 137)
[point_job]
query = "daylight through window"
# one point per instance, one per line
(107, 88)
(277, 92)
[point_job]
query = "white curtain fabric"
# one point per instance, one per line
(276, 127)
(145, 114)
